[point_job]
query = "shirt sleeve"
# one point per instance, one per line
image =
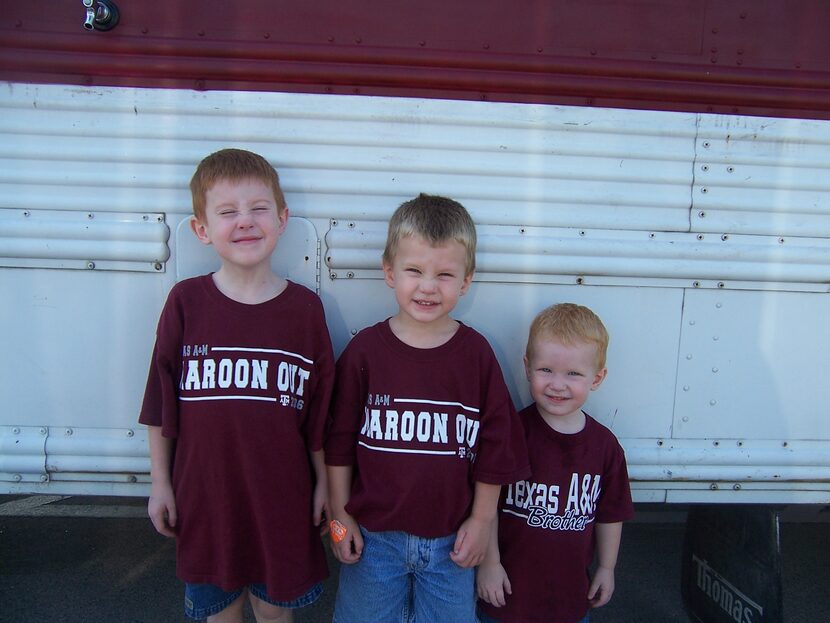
(345, 414)
(161, 397)
(502, 457)
(615, 503)
(321, 389)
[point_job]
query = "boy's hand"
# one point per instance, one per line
(602, 587)
(162, 509)
(471, 542)
(348, 550)
(492, 584)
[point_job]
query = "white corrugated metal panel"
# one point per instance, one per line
(536, 253)
(85, 240)
(762, 176)
(23, 454)
(530, 165)
(753, 364)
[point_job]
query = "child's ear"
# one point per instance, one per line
(465, 285)
(599, 378)
(527, 367)
(282, 217)
(200, 229)
(388, 274)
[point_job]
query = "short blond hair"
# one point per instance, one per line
(233, 165)
(569, 324)
(437, 220)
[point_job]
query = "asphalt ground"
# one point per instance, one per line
(99, 560)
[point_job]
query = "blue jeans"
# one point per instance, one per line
(401, 578)
(483, 618)
(204, 600)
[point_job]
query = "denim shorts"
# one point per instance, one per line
(483, 618)
(401, 578)
(204, 600)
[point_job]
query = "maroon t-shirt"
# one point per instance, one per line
(546, 523)
(244, 390)
(420, 426)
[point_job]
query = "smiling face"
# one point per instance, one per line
(428, 280)
(561, 377)
(242, 222)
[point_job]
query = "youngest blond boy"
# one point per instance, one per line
(578, 493)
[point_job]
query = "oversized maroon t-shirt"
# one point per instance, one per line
(546, 523)
(420, 426)
(244, 390)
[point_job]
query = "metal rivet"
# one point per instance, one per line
(740, 444)
(350, 275)
(689, 356)
(90, 265)
(712, 403)
(522, 230)
(132, 478)
(730, 169)
(706, 144)
(715, 338)
(704, 190)
(692, 323)
(714, 486)
(90, 215)
(130, 433)
(721, 284)
(17, 477)
(26, 213)
(696, 284)
(685, 388)
(334, 222)
(705, 167)
(579, 280)
(353, 331)
(700, 236)
(718, 305)
(715, 370)
(332, 276)
(158, 266)
(702, 214)
(651, 235)
(582, 232)
(716, 443)
(659, 442)
(724, 237)
(736, 487)
(16, 431)
(68, 432)
(44, 478)
(685, 418)
(351, 225)
(785, 444)
(145, 218)
(780, 241)
(43, 430)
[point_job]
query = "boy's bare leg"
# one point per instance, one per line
(269, 613)
(233, 613)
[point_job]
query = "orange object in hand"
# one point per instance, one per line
(337, 530)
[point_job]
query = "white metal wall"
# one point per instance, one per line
(702, 241)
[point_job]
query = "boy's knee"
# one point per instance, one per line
(269, 613)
